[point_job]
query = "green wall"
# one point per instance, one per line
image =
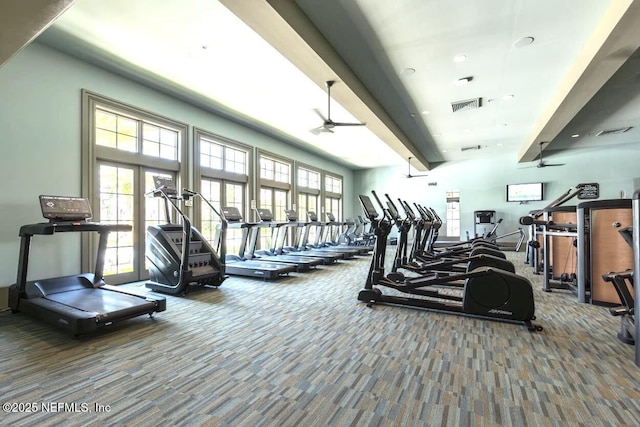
(482, 183)
(40, 117)
(40, 122)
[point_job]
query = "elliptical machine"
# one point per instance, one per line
(487, 292)
(179, 256)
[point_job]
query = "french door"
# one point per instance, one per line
(121, 200)
(277, 201)
(221, 193)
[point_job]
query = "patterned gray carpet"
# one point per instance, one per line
(304, 352)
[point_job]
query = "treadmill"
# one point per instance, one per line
(81, 303)
(302, 263)
(297, 227)
(238, 264)
(317, 244)
(334, 241)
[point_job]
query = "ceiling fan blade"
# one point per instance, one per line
(329, 124)
(321, 129)
(347, 124)
(324, 119)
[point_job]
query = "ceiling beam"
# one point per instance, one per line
(283, 25)
(21, 21)
(614, 40)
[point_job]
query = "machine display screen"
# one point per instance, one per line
(369, 210)
(65, 208)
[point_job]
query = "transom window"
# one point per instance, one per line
(115, 130)
(274, 170)
(308, 179)
(214, 155)
(333, 184)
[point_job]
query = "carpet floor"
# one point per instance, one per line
(302, 351)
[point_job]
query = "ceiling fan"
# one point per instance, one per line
(541, 163)
(408, 175)
(328, 124)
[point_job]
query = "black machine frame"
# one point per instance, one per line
(173, 268)
(487, 292)
(81, 303)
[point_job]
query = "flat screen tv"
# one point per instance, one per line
(531, 192)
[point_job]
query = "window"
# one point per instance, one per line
(333, 196)
(274, 170)
(121, 132)
(217, 156)
(333, 184)
(453, 213)
(275, 187)
(212, 191)
(159, 142)
(308, 179)
(222, 168)
(117, 207)
(123, 147)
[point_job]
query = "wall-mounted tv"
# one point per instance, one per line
(531, 192)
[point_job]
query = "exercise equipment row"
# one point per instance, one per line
(485, 292)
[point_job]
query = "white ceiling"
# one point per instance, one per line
(203, 49)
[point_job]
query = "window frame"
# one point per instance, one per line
(200, 172)
(92, 154)
(333, 195)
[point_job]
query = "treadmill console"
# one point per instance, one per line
(265, 215)
(330, 217)
(312, 216)
(232, 214)
(61, 209)
(291, 215)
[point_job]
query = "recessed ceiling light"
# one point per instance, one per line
(523, 42)
(426, 112)
(499, 144)
(459, 58)
(408, 71)
(508, 97)
(444, 151)
(575, 135)
(463, 81)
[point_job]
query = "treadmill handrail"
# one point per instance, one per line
(47, 228)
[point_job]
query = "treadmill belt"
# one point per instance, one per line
(102, 302)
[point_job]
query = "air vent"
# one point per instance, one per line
(467, 104)
(471, 147)
(613, 131)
